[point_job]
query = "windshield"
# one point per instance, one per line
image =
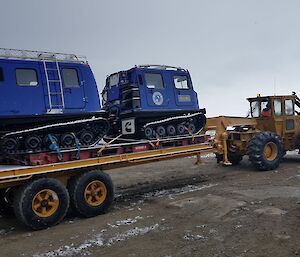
(260, 108)
(255, 109)
(114, 80)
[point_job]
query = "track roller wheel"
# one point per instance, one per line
(86, 138)
(171, 130)
(191, 128)
(33, 143)
(41, 203)
(149, 133)
(180, 129)
(68, 140)
(161, 131)
(9, 144)
(265, 151)
(91, 194)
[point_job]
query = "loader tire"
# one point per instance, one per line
(265, 151)
(91, 193)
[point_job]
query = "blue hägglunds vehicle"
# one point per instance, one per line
(46, 94)
(152, 101)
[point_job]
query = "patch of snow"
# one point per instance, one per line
(97, 241)
(128, 221)
(191, 237)
(131, 233)
(177, 191)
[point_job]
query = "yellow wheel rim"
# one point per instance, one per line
(270, 151)
(45, 203)
(95, 193)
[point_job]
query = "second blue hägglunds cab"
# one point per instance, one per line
(153, 101)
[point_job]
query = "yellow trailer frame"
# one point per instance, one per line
(12, 176)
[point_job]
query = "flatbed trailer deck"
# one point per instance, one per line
(40, 194)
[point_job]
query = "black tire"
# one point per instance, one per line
(68, 140)
(9, 145)
(82, 202)
(33, 143)
(235, 159)
(265, 151)
(161, 131)
(180, 129)
(87, 138)
(6, 208)
(27, 195)
(149, 133)
(171, 130)
(191, 128)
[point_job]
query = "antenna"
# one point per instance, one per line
(274, 85)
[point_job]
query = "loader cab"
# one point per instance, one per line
(274, 106)
(279, 114)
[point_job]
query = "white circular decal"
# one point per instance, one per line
(157, 98)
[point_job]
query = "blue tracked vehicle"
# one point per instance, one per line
(151, 101)
(46, 93)
(51, 100)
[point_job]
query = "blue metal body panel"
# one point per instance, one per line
(16, 100)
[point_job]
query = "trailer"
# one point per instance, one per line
(40, 188)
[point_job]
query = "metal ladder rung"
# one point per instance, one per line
(60, 92)
(55, 93)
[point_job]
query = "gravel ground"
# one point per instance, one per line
(175, 208)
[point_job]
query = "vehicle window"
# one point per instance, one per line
(181, 82)
(70, 78)
(289, 107)
(277, 107)
(1, 75)
(26, 77)
(265, 108)
(255, 109)
(114, 80)
(104, 97)
(154, 80)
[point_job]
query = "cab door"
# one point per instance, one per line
(155, 88)
(289, 116)
(183, 90)
(73, 87)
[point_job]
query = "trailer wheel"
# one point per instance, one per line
(41, 203)
(91, 194)
(265, 151)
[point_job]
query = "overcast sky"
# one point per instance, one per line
(233, 49)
